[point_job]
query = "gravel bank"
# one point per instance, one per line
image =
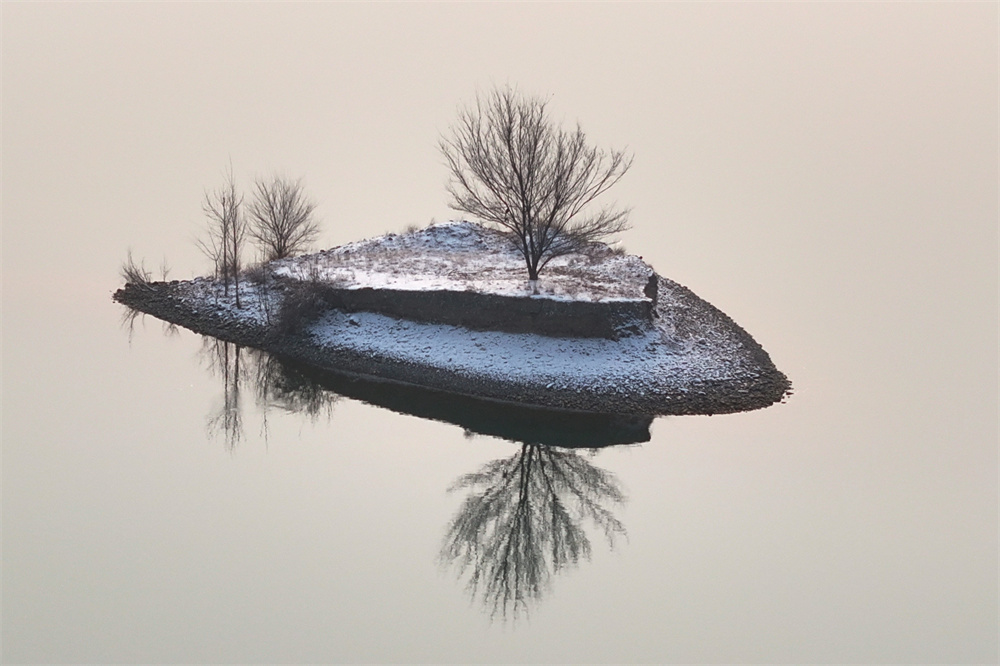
(694, 360)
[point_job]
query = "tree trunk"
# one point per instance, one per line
(532, 276)
(532, 271)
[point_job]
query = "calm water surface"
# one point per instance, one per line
(824, 174)
(169, 497)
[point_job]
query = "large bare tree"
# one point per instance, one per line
(281, 217)
(227, 230)
(511, 166)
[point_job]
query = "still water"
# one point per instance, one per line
(169, 497)
(825, 174)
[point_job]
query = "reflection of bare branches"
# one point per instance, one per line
(523, 521)
(274, 385)
(277, 385)
(129, 317)
(224, 359)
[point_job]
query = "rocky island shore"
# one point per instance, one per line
(448, 308)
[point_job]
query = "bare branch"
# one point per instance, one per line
(281, 218)
(227, 230)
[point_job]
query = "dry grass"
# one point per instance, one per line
(256, 274)
(303, 303)
(135, 274)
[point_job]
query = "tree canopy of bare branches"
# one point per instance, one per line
(227, 230)
(281, 218)
(511, 166)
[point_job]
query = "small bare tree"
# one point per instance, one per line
(512, 167)
(135, 274)
(281, 218)
(227, 230)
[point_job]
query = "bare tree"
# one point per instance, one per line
(227, 230)
(281, 218)
(511, 166)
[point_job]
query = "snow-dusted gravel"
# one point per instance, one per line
(578, 364)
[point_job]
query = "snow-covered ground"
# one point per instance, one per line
(465, 256)
(635, 363)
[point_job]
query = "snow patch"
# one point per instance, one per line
(465, 256)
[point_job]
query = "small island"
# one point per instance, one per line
(448, 308)
(528, 306)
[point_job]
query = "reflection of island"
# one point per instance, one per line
(524, 518)
(273, 384)
(299, 388)
(523, 521)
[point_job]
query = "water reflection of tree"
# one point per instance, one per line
(523, 521)
(277, 385)
(273, 384)
(130, 315)
(225, 360)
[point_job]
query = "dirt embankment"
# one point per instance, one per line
(494, 312)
